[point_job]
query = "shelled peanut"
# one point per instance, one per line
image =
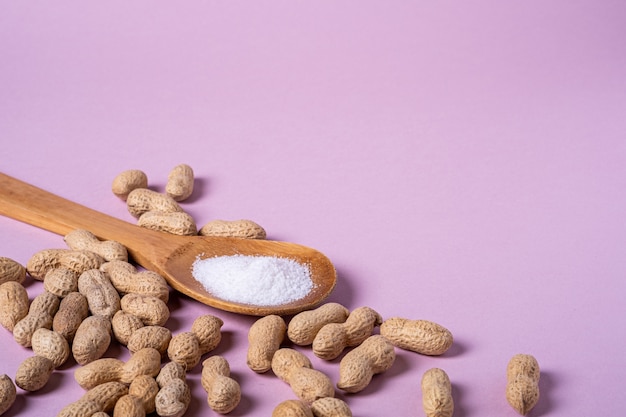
(333, 338)
(375, 355)
(264, 339)
(11, 270)
(522, 387)
(180, 182)
(421, 336)
(437, 393)
(14, 304)
(187, 348)
(296, 369)
(8, 393)
(174, 395)
(223, 392)
(127, 181)
(304, 326)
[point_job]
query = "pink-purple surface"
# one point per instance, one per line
(458, 162)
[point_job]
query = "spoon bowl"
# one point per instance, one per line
(171, 256)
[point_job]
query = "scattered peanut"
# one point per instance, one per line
(14, 304)
(169, 372)
(33, 373)
(156, 337)
(264, 339)
(180, 182)
(333, 338)
(126, 280)
(110, 250)
(207, 329)
(100, 399)
(8, 393)
(330, 407)
(72, 311)
(102, 297)
(173, 399)
(176, 223)
(296, 369)
(127, 181)
(129, 406)
(375, 355)
(421, 336)
(76, 260)
(40, 314)
(304, 326)
(223, 392)
(522, 388)
(124, 325)
(60, 281)
(152, 311)
(142, 200)
(146, 361)
(51, 345)
(184, 348)
(292, 408)
(245, 229)
(11, 270)
(437, 393)
(145, 388)
(92, 339)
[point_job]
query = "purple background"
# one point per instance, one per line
(458, 162)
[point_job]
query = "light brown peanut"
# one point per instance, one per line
(169, 372)
(223, 392)
(99, 399)
(264, 339)
(207, 328)
(292, 408)
(356, 369)
(145, 388)
(102, 297)
(437, 393)
(421, 336)
(51, 345)
(110, 250)
(33, 373)
(146, 361)
(72, 311)
(11, 270)
(245, 229)
(129, 406)
(14, 304)
(304, 326)
(156, 337)
(180, 182)
(60, 281)
(333, 338)
(92, 339)
(40, 314)
(296, 369)
(8, 393)
(124, 325)
(75, 260)
(126, 279)
(175, 223)
(127, 181)
(522, 388)
(173, 399)
(330, 407)
(184, 348)
(142, 200)
(152, 311)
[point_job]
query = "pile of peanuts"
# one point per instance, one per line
(93, 296)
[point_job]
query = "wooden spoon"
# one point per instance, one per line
(170, 255)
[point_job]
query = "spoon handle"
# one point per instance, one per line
(37, 207)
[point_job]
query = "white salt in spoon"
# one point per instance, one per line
(170, 255)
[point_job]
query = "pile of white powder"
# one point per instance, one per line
(257, 280)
